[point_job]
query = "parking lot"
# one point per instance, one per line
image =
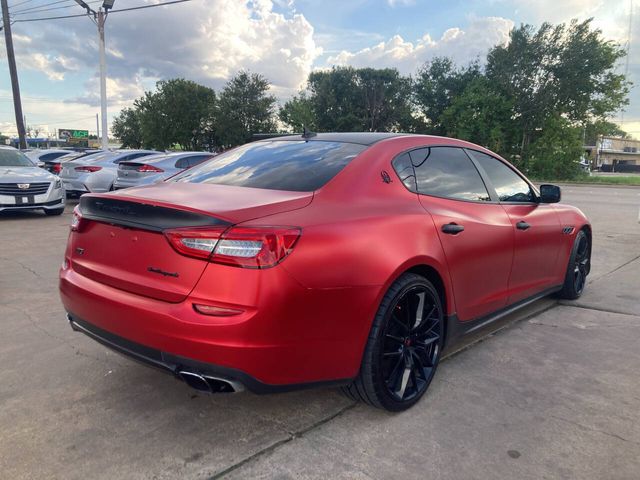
(555, 393)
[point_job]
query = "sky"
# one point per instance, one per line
(209, 40)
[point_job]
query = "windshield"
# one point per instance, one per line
(14, 158)
(300, 166)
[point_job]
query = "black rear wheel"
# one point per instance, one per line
(578, 268)
(404, 346)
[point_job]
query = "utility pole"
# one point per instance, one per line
(15, 86)
(102, 17)
(97, 126)
(99, 18)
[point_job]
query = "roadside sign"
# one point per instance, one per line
(70, 133)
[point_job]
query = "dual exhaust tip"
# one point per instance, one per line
(208, 384)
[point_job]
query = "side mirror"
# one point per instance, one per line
(549, 194)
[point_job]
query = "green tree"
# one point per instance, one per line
(297, 113)
(479, 115)
(386, 99)
(336, 102)
(244, 108)
(126, 127)
(179, 112)
(565, 70)
(365, 99)
(555, 153)
(594, 129)
(438, 83)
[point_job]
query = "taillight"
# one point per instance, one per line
(56, 168)
(195, 242)
(248, 247)
(149, 168)
(87, 168)
(77, 222)
(255, 247)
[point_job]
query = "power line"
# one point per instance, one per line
(40, 8)
(21, 3)
(110, 12)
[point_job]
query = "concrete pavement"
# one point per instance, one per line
(556, 395)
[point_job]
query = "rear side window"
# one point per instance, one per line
(403, 167)
(509, 186)
(52, 156)
(447, 172)
(301, 166)
(182, 163)
(198, 159)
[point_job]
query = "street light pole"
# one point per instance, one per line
(101, 18)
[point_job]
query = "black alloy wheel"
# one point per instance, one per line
(411, 344)
(581, 264)
(404, 346)
(578, 268)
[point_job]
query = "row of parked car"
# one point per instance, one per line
(102, 171)
(64, 173)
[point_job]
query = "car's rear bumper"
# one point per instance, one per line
(174, 364)
(287, 337)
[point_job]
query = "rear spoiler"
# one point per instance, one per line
(143, 216)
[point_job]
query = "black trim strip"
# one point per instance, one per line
(457, 329)
(142, 215)
(173, 363)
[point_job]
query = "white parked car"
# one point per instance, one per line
(24, 186)
(96, 173)
(40, 156)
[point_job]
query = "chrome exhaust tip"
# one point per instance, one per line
(195, 381)
(208, 384)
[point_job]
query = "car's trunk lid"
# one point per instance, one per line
(122, 243)
(129, 171)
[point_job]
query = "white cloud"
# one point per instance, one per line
(462, 45)
(206, 41)
(394, 3)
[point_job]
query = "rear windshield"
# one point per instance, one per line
(298, 166)
(14, 158)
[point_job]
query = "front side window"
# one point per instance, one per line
(447, 172)
(509, 186)
(300, 166)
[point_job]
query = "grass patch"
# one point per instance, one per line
(600, 180)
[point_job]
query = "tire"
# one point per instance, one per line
(578, 268)
(57, 211)
(403, 349)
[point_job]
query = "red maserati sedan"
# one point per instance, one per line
(346, 259)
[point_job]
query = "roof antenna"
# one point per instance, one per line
(306, 133)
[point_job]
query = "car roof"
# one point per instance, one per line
(169, 156)
(361, 138)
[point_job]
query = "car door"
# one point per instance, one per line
(536, 228)
(475, 233)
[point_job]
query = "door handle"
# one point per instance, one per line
(452, 228)
(522, 225)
